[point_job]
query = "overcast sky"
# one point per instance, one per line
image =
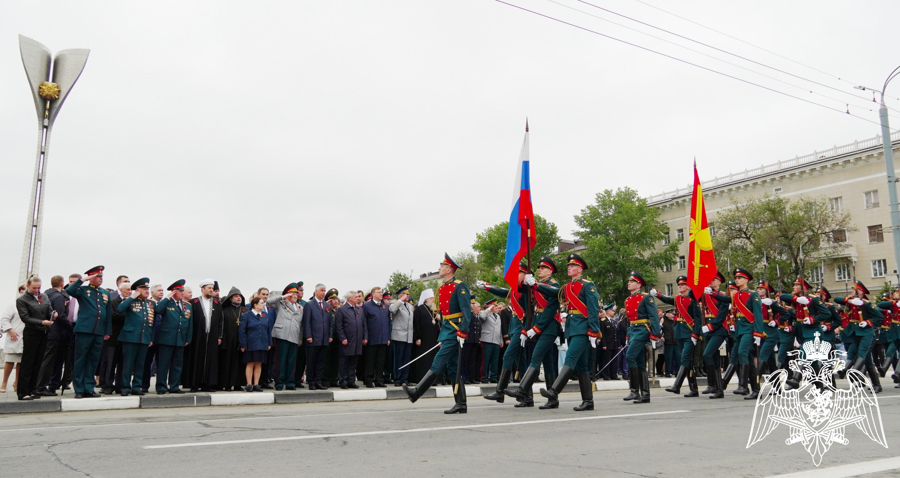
(259, 143)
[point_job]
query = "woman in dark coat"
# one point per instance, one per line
(255, 336)
(426, 327)
(231, 376)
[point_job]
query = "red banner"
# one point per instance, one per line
(701, 258)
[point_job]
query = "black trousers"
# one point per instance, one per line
(347, 369)
(331, 364)
(301, 363)
(373, 357)
(56, 350)
(315, 363)
(470, 361)
(112, 360)
(149, 366)
(62, 368)
(35, 341)
(607, 355)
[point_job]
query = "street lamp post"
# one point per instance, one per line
(889, 165)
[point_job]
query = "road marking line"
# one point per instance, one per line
(413, 430)
(853, 469)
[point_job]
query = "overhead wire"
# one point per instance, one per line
(711, 70)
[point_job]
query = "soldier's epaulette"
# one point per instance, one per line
(586, 281)
(457, 281)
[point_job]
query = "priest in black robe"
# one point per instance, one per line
(201, 356)
(426, 328)
(231, 370)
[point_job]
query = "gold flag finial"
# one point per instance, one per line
(49, 91)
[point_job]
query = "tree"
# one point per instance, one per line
(778, 239)
(621, 233)
(399, 279)
(491, 243)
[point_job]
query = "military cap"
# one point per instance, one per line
(403, 290)
(576, 260)
(681, 280)
(290, 289)
(823, 290)
(177, 285)
(637, 278)
(720, 276)
(548, 263)
(802, 283)
(859, 285)
(739, 272)
(299, 284)
(764, 284)
(447, 260)
(331, 294)
(490, 302)
(142, 282)
(732, 285)
(94, 270)
(368, 297)
(780, 291)
(523, 267)
(609, 306)
(386, 294)
(885, 295)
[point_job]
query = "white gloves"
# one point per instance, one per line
(522, 340)
(531, 333)
(863, 325)
(757, 340)
(705, 329)
(806, 321)
(694, 340)
(898, 303)
(796, 344)
(480, 284)
(653, 292)
(731, 328)
(593, 342)
(802, 300)
(824, 328)
(767, 301)
(556, 342)
(529, 280)
(563, 315)
(653, 343)
(857, 301)
(707, 290)
(772, 323)
(461, 340)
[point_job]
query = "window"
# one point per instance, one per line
(682, 263)
(842, 271)
(837, 205)
(666, 238)
(667, 268)
(712, 230)
(816, 273)
(879, 268)
(777, 190)
(670, 291)
(679, 234)
(876, 234)
(871, 199)
(838, 236)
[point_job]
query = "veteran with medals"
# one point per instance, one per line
(172, 335)
(94, 325)
(136, 335)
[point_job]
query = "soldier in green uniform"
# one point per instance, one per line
(454, 301)
(515, 351)
(715, 330)
(643, 327)
(580, 298)
(748, 317)
(890, 333)
(786, 333)
(687, 332)
(864, 319)
(136, 335)
(768, 327)
(546, 328)
(809, 312)
(94, 325)
(173, 333)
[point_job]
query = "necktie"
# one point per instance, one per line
(320, 307)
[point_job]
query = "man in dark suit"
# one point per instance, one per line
(351, 331)
(378, 328)
(112, 356)
(58, 338)
(201, 361)
(608, 346)
(37, 315)
(317, 332)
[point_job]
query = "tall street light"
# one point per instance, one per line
(889, 165)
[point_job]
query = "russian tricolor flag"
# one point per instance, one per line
(521, 234)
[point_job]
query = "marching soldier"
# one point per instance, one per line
(828, 324)
(687, 333)
(769, 329)
(94, 325)
(580, 298)
(454, 301)
(173, 334)
(890, 333)
(715, 330)
(786, 332)
(546, 327)
(808, 311)
(518, 303)
(864, 319)
(136, 335)
(643, 327)
(747, 310)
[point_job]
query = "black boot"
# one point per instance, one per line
(793, 382)
(755, 375)
(896, 376)
(715, 374)
(679, 379)
(519, 393)
(742, 380)
(873, 375)
(498, 395)
(415, 392)
(460, 396)
(644, 383)
(553, 393)
(634, 385)
(886, 366)
(710, 380)
(692, 383)
(587, 393)
(528, 401)
(726, 377)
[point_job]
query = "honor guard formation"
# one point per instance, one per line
(100, 342)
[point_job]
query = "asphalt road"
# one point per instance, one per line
(672, 436)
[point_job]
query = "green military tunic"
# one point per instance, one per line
(583, 304)
(136, 336)
(687, 326)
(643, 326)
(93, 324)
(454, 301)
(173, 331)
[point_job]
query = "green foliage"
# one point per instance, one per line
(768, 235)
(491, 243)
(399, 279)
(621, 233)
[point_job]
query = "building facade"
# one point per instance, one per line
(852, 177)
